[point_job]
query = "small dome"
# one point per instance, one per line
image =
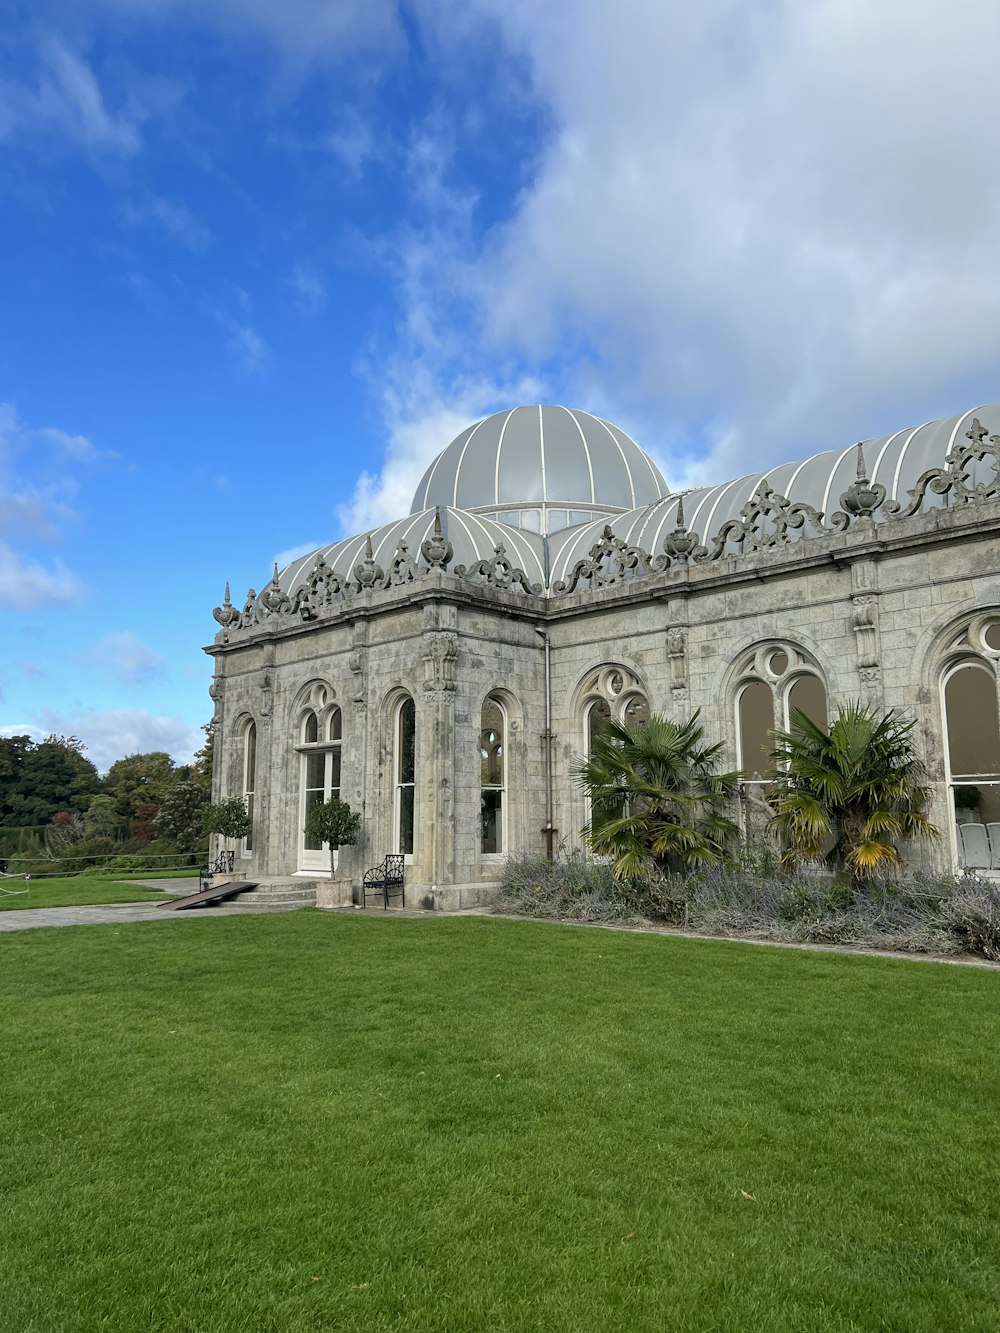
(541, 468)
(473, 538)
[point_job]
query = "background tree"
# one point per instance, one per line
(182, 815)
(201, 769)
(39, 781)
(64, 830)
(857, 784)
(657, 800)
(139, 779)
(335, 823)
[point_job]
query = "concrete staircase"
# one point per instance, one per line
(282, 895)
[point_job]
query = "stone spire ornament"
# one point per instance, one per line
(862, 497)
(680, 543)
(367, 573)
(272, 598)
(437, 550)
(226, 614)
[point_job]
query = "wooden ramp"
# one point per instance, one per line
(214, 895)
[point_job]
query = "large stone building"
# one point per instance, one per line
(443, 672)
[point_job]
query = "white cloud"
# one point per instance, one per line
(421, 419)
(284, 558)
(304, 31)
(28, 585)
(37, 485)
(767, 228)
(111, 735)
(65, 101)
(125, 655)
(247, 347)
(171, 215)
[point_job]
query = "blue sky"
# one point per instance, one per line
(261, 262)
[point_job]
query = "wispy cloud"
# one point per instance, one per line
(127, 657)
(37, 487)
(309, 290)
(169, 214)
(284, 558)
(64, 101)
(29, 585)
(247, 348)
(117, 732)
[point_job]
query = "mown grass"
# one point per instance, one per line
(312, 1121)
(75, 891)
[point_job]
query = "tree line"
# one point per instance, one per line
(58, 813)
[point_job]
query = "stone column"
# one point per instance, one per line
(436, 774)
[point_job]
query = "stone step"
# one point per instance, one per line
(285, 895)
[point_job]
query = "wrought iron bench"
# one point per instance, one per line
(385, 881)
(222, 865)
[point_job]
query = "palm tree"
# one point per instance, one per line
(857, 784)
(655, 796)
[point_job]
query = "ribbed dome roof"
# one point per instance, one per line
(541, 458)
(896, 461)
(474, 538)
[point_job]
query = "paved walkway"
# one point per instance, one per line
(117, 914)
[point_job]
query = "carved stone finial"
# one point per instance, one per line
(436, 550)
(862, 497)
(367, 573)
(226, 614)
(680, 543)
(272, 598)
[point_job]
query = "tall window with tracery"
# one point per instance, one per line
(778, 680)
(319, 744)
(611, 692)
(492, 756)
(404, 767)
(249, 780)
(972, 732)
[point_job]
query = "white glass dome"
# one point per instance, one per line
(542, 469)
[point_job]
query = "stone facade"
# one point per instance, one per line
(876, 602)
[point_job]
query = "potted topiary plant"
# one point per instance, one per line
(336, 824)
(230, 819)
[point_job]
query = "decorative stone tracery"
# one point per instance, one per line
(611, 561)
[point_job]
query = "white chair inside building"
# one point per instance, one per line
(975, 842)
(993, 834)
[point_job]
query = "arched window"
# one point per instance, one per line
(776, 680)
(493, 759)
(598, 715)
(249, 780)
(611, 692)
(972, 730)
(404, 772)
(319, 746)
(756, 725)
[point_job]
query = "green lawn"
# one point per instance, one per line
(319, 1121)
(77, 891)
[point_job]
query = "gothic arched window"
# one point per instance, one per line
(249, 780)
(492, 778)
(972, 733)
(319, 746)
(404, 774)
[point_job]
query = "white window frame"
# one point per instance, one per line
(500, 787)
(311, 859)
(398, 786)
(249, 785)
